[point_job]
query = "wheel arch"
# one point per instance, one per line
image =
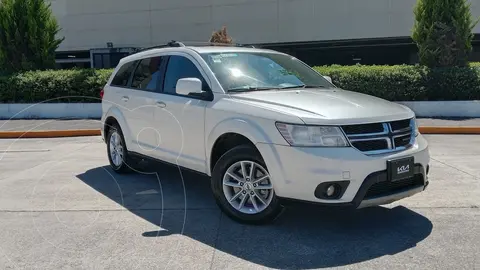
(114, 116)
(230, 133)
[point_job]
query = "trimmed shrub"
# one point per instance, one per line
(455, 83)
(54, 86)
(388, 82)
(408, 83)
(395, 83)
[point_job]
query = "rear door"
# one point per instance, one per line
(140, 104)
(119, 85)
(118, 90)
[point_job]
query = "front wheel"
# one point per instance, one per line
(243, 188)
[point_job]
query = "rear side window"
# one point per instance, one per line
(147, 74)
(178, 68)
(123, 75)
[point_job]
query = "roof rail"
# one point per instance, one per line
(170, 44)
(174, 43)
(203, 43)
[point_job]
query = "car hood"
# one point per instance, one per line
(327, 106)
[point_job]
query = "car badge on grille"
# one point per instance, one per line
(403, 169)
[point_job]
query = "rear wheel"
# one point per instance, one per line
(243, 188)
(117, 151)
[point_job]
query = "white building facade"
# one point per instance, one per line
(349, 28)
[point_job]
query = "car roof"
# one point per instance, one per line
(198, 49)
(222, 49)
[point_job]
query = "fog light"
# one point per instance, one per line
(331, 190)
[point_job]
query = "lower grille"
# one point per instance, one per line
(386, 188)
(402, 140)
(400, 125)
(371, 145)
(363, 129)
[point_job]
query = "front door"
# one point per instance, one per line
(181, 119)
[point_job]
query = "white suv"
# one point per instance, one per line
(264, 126)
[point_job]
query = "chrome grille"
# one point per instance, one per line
(379, 138)
(371, 144)
(367, 128)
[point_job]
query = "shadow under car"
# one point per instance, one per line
(305, 236)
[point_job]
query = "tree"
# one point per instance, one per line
(221, 36)
(443, 32)
(28, 33)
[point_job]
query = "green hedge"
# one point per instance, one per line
(396, 83)
(408, 83)
(54, 86)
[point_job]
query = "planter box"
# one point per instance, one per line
(94, 110)
(51, 111)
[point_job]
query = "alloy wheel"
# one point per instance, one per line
(247, 187)
(116, 149)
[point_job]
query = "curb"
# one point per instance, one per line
(96, 132)
(449, 130)
(49, 133)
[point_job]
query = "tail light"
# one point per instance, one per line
(101, 93)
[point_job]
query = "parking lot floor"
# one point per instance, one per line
(61, 207)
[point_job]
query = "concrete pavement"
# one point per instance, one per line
(62, 207)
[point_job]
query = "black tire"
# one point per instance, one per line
(239, 153)
(127, 161)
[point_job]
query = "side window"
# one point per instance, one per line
(123, 74)
(178, 68)
(147, 74)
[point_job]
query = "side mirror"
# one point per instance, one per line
(328, 78)
(193, 87)
(188, 86)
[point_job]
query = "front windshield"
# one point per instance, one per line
(248, 71)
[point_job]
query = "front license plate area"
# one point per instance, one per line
(400, 169)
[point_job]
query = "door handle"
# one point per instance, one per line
(161, 104)
(125, 98)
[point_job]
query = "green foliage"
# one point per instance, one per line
(408, 83)
(454, 83)
(475, 64)
(389, 82)
(395, 83)
(443, 32)
(28, 32)
(54, 86)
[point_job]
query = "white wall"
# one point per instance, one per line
(92, 23)
(51, 111)
(467, 108)
(470, 108)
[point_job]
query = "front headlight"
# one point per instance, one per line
(322, 136)
(415, 126)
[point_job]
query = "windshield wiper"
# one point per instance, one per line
(302, 86)
(263, 88)
(251, 88)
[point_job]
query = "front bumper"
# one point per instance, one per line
(390, 198)
(297, 171)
